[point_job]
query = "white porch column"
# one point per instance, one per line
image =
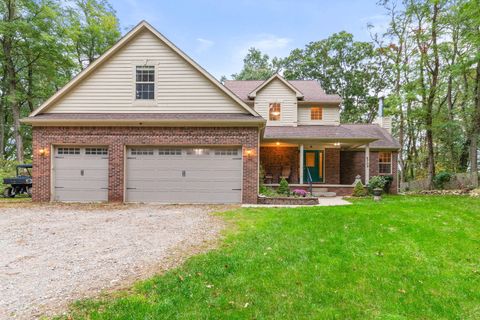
(367, 163)
(301, 164)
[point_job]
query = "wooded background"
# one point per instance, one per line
(426, 65)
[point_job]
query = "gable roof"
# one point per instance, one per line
(278, 77)
(311, 90)
(143, 25)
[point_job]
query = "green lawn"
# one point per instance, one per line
(404, 258)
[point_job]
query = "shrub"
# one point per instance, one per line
(283, 188)
(359, 190)
(388, 183)
(266, 191)
(376, 182)
(7, 170)
(441, 179)
(300, 192)
(261, 177)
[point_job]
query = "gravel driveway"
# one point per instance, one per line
(53, 254)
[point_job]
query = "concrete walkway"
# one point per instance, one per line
(322, 202)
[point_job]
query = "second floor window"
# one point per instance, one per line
(385, 162)
(145, 83)
(316, 113)
(274, 112)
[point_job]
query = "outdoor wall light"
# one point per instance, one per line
(278, 143)
(336, 144)
(249, 152)
(42, 152)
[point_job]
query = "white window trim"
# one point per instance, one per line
(310, 111)
(380, 163)
(144, 102)
(281, 112)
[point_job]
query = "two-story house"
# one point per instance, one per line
(305, 142)
(146, 123)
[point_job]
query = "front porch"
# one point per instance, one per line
(330, 168)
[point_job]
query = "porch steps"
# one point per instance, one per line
(323, 192)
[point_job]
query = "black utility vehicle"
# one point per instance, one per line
(22, 183)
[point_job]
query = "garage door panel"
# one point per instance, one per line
(216, 175)
(160, 185)
(81, 163)
(76, 173)
(198, 175)
(81, 174)
(76, 194)
(87, 184)
(147, 174)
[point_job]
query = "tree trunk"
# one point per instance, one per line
(475, 131)
(11, 74)
(431, 99)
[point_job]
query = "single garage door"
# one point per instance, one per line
(81, 174)
(184, 175)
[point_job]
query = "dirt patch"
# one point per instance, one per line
(52, 254)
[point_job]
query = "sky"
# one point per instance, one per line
(218, 33)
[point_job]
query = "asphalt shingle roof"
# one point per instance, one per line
(311, 90)
(380, 137)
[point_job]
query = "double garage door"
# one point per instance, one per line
(153, 174)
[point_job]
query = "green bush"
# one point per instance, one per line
(441, 179)
(7, 169)
(283, 189)
(261, 176)
(266, 191)
(376, 182)
(388, 183)
(359, 190)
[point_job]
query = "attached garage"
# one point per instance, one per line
(184, 175)
(80, 174)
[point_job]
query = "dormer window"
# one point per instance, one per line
(145, 83)
(274, 112)
(316, 113)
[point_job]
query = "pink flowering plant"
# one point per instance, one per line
(300, 192)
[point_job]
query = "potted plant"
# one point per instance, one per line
(377, 194)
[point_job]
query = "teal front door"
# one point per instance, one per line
(313, 165)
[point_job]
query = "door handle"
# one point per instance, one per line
(184, 174)
(82, 172)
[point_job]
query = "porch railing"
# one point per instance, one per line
(310, 181)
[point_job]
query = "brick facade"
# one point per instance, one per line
(117, 138)
(353, 164)
(332, 166)
(273, 159)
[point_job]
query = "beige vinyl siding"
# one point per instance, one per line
(276, 91)
(331, 116)
(180, 88)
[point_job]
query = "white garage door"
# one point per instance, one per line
(80, 174)
(184, 175)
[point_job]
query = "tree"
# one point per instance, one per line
(92, 27)
(344, 66)
(256, 66)
(38, 56)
